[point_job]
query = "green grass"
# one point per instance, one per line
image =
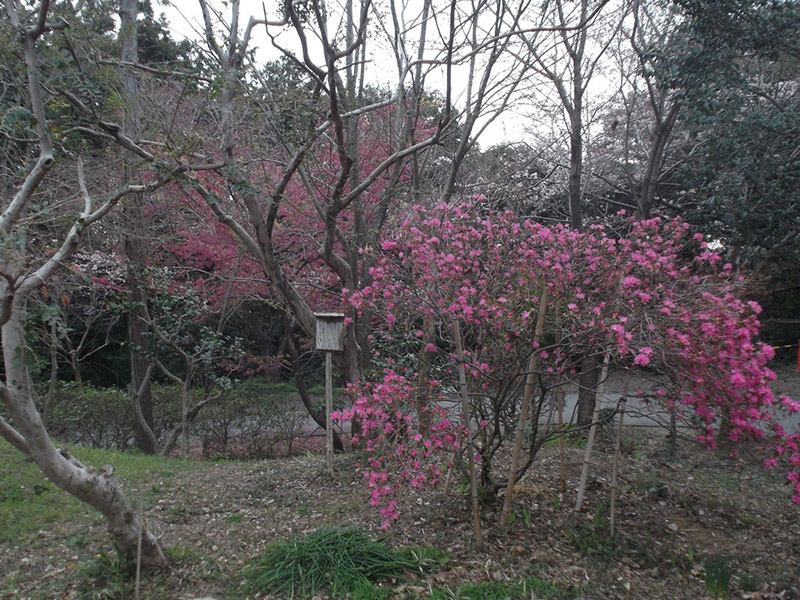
(29, 503)
(341, 561)
(524, 589)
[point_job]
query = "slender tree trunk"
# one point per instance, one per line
(299, 380)
(654, 162)
(587, 456)
(51, 387)
(135, 251)
(526, 408)
(587, 389)
(186, 395)
(137, 334)
(575, 184)
(612, 516)
(425, 361)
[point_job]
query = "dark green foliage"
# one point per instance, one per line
(340, 561)
(156, 45)
(733, 64)
(734, 173)
(748, 583)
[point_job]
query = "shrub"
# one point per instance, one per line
(91, 416)
(252, 420)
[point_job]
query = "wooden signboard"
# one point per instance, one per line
(329, 331)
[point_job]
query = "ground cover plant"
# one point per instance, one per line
(338, 561)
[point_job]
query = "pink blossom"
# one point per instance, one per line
(644, 356)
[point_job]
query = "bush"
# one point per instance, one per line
(103, 417)
(252, 420)
(91, 416)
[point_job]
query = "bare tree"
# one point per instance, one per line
(566, 50)
(650, 27)
(441, 41)
(134, 243)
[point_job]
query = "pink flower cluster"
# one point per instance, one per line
(389, 413)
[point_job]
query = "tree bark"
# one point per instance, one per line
(305, 397)
(96, 488)
(655, 160)
(469, 448)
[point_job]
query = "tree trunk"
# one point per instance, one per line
(98, 489)
(654, 162)
(305, 397)
(587, 455)
(469, 448)
(135, 251)
(587, 386)
(575, 167)
(526, 407)
(51, 387)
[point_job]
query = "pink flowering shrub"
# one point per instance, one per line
(387, 412)
(657, 298)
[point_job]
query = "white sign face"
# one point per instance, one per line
(330, 327)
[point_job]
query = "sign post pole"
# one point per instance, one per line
(329, 410)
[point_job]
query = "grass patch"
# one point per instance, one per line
(341, 561)
(718, 576)
(29, 503)
(593, 537)
(104, 578)
(523, 589)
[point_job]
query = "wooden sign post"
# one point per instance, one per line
(330, 328)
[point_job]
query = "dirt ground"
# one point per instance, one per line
(675, 517)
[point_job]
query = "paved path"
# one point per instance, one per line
(638, 413)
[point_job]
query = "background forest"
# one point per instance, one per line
(177, 208)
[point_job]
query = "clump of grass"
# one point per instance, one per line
(718, 576)
(105, 578)
(343, 561)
